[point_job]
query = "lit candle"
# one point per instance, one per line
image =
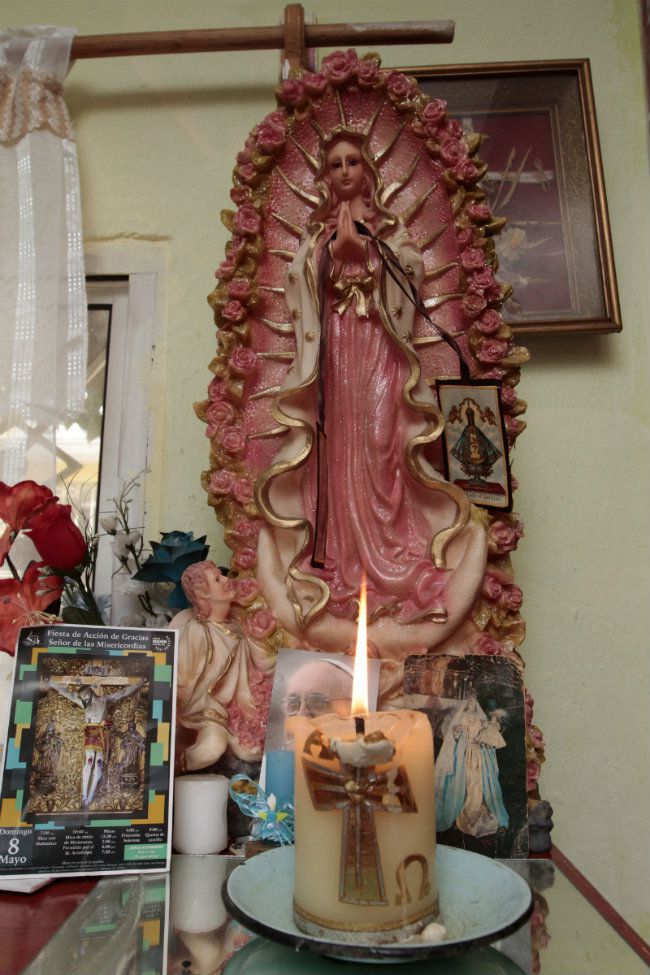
(365, 819)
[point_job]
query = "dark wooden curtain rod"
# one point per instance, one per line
(260, 38)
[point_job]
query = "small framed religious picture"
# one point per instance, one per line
(475, 441)
(543, 179)
(475, 705)
(88, 763)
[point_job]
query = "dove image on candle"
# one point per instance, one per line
(365, 821)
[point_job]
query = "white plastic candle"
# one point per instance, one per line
(365, 821)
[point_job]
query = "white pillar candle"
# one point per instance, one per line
(196, 902)
(200, 803)
(365, 826)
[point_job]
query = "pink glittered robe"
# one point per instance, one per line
(380, 518)
(373, 520)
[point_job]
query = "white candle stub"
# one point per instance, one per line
(200, 803)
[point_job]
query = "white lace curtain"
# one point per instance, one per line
(43, 310)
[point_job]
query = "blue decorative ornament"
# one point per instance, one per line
(273, 819)
(174, 553)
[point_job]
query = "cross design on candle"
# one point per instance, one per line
(360, 791)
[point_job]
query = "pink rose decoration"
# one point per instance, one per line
(234, 255)
(233, 440)
(246, 558)
(242, 490)
(247, 591)
(240, 289)
(271, 136)
(292, 92)
(220, 414)
(400, 86)
(339, 66)
(508, 397)
(278, 117)
(502, 537)
(217, 390)
(486, 645)
(492, 588)
(315, 84)
(472, 259)
(473, 305)
(466, 171)
(221, 482)
(261, 624)
(453, 128)
(244, 155)
(529, 702)
(452, 152)
(485, 283)
(368, 73)
(247, 174)
(434, 114)
(249, 724)
(247, 221)
(240, 195)
(234, 311)
(536, 737)
(512, 429)
(480, 212)
(489, 322)
(464, 236)
(532, 775)
(511, 598)
(248, 529)
(492, 350)
(243, 361)
(226, 269)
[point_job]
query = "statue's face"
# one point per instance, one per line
(216, 587)
(345, 169)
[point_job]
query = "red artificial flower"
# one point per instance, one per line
(20, 502)
(24, 602)
(57, 539)
(6, 539)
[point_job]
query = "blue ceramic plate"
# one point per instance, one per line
(480, 901)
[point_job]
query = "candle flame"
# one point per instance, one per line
(360, 680)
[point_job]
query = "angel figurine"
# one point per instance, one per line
(224, 677)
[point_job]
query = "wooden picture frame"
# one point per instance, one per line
(540, 143)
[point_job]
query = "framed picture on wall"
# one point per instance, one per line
(544, 175)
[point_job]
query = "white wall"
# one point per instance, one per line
(157, 138)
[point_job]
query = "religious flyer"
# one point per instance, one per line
(88, 767)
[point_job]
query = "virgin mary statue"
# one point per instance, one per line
(350, 494)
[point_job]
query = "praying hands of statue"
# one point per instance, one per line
(349, 247)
